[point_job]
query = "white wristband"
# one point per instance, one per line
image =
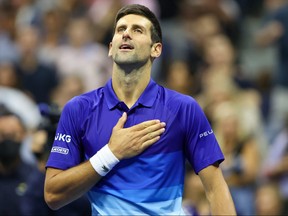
(103, 161)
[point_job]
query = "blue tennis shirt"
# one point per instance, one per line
(152, 182)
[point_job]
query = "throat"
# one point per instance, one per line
(129, 88)
(129, 95)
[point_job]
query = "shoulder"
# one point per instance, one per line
(85, 102)
(175, 99)
(181, 105)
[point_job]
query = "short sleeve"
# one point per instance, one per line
(202, 148)
(66, 150)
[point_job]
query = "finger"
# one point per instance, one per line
(153, 128)
(149, 142)
(121, 121)
(144, 125)
(152, 135)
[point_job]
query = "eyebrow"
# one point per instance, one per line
(134, 26)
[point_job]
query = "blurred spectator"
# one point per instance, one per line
(83, 57)
(13, 170)
(7, 21)
(37, 79)
(194, 201)
(220, 56)
(265, 44)
(69, 87)
(227, 12)
(8, 75)
(275, 165)
(44, 5)
(27, 13)
(101, 12)
(242, 156)
(52, 33)
(248, 101)
(24, 107)
(8, 50)
(205, 25)
(222, 80)
(268, 200)
(19, 103)
(213, 94)
(197, 20)
(278, 110)
(269, 6)
(180, 78)
(274, 31)
(72, 8)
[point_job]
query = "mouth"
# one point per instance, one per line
(126, 47)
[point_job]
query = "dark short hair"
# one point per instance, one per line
(137, 9)
(6, 112)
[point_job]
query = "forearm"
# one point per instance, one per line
(269, 34)
(63, 187)
(221, 202)
(280, 168)
(217, 191)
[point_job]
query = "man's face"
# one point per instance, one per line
(132, 43)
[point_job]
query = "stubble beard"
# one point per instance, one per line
(129, 63)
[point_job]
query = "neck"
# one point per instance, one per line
(129, 85)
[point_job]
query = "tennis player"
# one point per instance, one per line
(125, 144)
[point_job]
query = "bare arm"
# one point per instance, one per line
(217, 191)
(62, 187)
(278, 169)
(250, 165)
(269, 34)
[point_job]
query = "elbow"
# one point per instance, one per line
(52, 201)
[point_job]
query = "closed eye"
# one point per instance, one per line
(138, 30)
(121, 29)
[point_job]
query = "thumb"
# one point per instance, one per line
(121, 121)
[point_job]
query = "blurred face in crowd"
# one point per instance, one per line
(268, 200)
(219, 50)
(8, 76)
(28, 40)
(79, 33)
(179, 77)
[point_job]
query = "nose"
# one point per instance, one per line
(126, 34)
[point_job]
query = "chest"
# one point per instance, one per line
(99, 126)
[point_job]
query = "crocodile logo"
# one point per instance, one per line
(105, 169)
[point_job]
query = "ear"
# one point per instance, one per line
(110, 49)
(156, 50)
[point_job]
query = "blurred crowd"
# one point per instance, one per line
(230, 55)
